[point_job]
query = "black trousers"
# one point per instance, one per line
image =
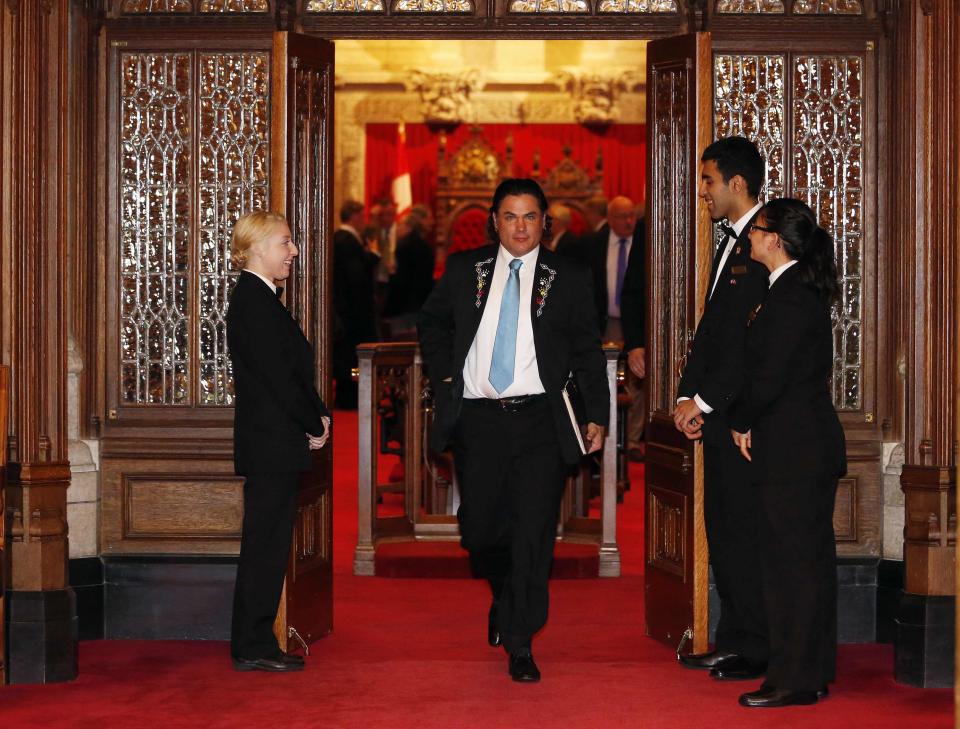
(269, 506)
(799, 558)
(511, 481)
(730, 497)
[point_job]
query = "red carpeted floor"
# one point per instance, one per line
(411, 653)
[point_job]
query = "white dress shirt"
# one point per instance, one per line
(613, 251)
(476, 368)
(738, 229)
(778, 272)
(268, 282)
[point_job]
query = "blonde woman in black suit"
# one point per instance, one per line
(279, 419)
(785, 422)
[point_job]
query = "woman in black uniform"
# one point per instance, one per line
(784, 420)
(279, 418)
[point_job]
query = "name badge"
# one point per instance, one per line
(738, 270)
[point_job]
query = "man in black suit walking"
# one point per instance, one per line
(731, 177)
(501, 333)
(354, 274)
(619, 282)
(279, 418)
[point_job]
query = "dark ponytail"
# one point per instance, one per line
(807, 243)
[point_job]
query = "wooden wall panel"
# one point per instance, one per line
(167, 506)
(162, 506)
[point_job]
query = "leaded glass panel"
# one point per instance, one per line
(234, 6)
(433, 6)
(827, 155)
(637, 6)
(155, 158)
(234, 175)
(345, 6)
(743, 7)
(549, 6)
(156, 6)
(749, 101)
(837, 7)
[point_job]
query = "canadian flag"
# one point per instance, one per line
(400, 188)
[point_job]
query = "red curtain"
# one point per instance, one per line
(623, 145)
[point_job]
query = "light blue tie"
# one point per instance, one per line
(505, 344)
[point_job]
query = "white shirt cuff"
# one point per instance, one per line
(702, 405)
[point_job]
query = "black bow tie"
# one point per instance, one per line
(279, 291)
(727, 230)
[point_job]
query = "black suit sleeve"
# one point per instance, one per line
(633, 298)
(258, 342)
(435, 326)
(587, 360)
(787, 328)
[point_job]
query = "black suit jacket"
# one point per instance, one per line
(785, 400)
(276, 401)
(413, 281)
(570, 245)
(633, 297)
(354, 268)
(715, 363)
(564, 333)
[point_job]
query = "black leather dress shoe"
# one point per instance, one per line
(276, 664)
(706, 661)
(738, 669)
(522, 668)
(291, 658)
(768, 697)
(493, 630)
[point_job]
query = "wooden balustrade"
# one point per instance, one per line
(417, 499)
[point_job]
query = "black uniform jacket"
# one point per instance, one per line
(633, 300)
(564, 333)
(715, 363)
(785, 400)
(276, 401)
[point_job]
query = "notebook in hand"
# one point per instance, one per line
(576, 410)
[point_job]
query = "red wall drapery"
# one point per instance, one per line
(624, 154)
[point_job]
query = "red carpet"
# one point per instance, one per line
(412, 654)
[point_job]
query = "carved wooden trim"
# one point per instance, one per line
(930, 529)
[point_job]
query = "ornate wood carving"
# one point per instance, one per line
(4, 553)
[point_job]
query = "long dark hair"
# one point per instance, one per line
(518, 186)
(806, 242)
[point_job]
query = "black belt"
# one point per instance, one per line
(509, 404)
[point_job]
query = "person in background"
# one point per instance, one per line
(563, 241)
(595, 212)
(278, 419)
(412, 281)
(619, 281)
(784, 422)
(354, 269)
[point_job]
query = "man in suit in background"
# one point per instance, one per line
(595, 213)
(412, 281)
(501, 333)
(619, 283)
(732, 173)
(563, 241)
(354, 271)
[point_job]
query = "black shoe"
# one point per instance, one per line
(522, 668)
(738, 669)
(292, 658)
(493, 630)
(707, 661)
(276, 664)
(768, 697)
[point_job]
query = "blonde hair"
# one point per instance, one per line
(249, 230)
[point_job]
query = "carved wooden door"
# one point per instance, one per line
(679, 118)
(302, 177)
(4, 410)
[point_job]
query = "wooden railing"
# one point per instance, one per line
(417, 499)
(4, 413)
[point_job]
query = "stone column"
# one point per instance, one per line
(33, 182)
